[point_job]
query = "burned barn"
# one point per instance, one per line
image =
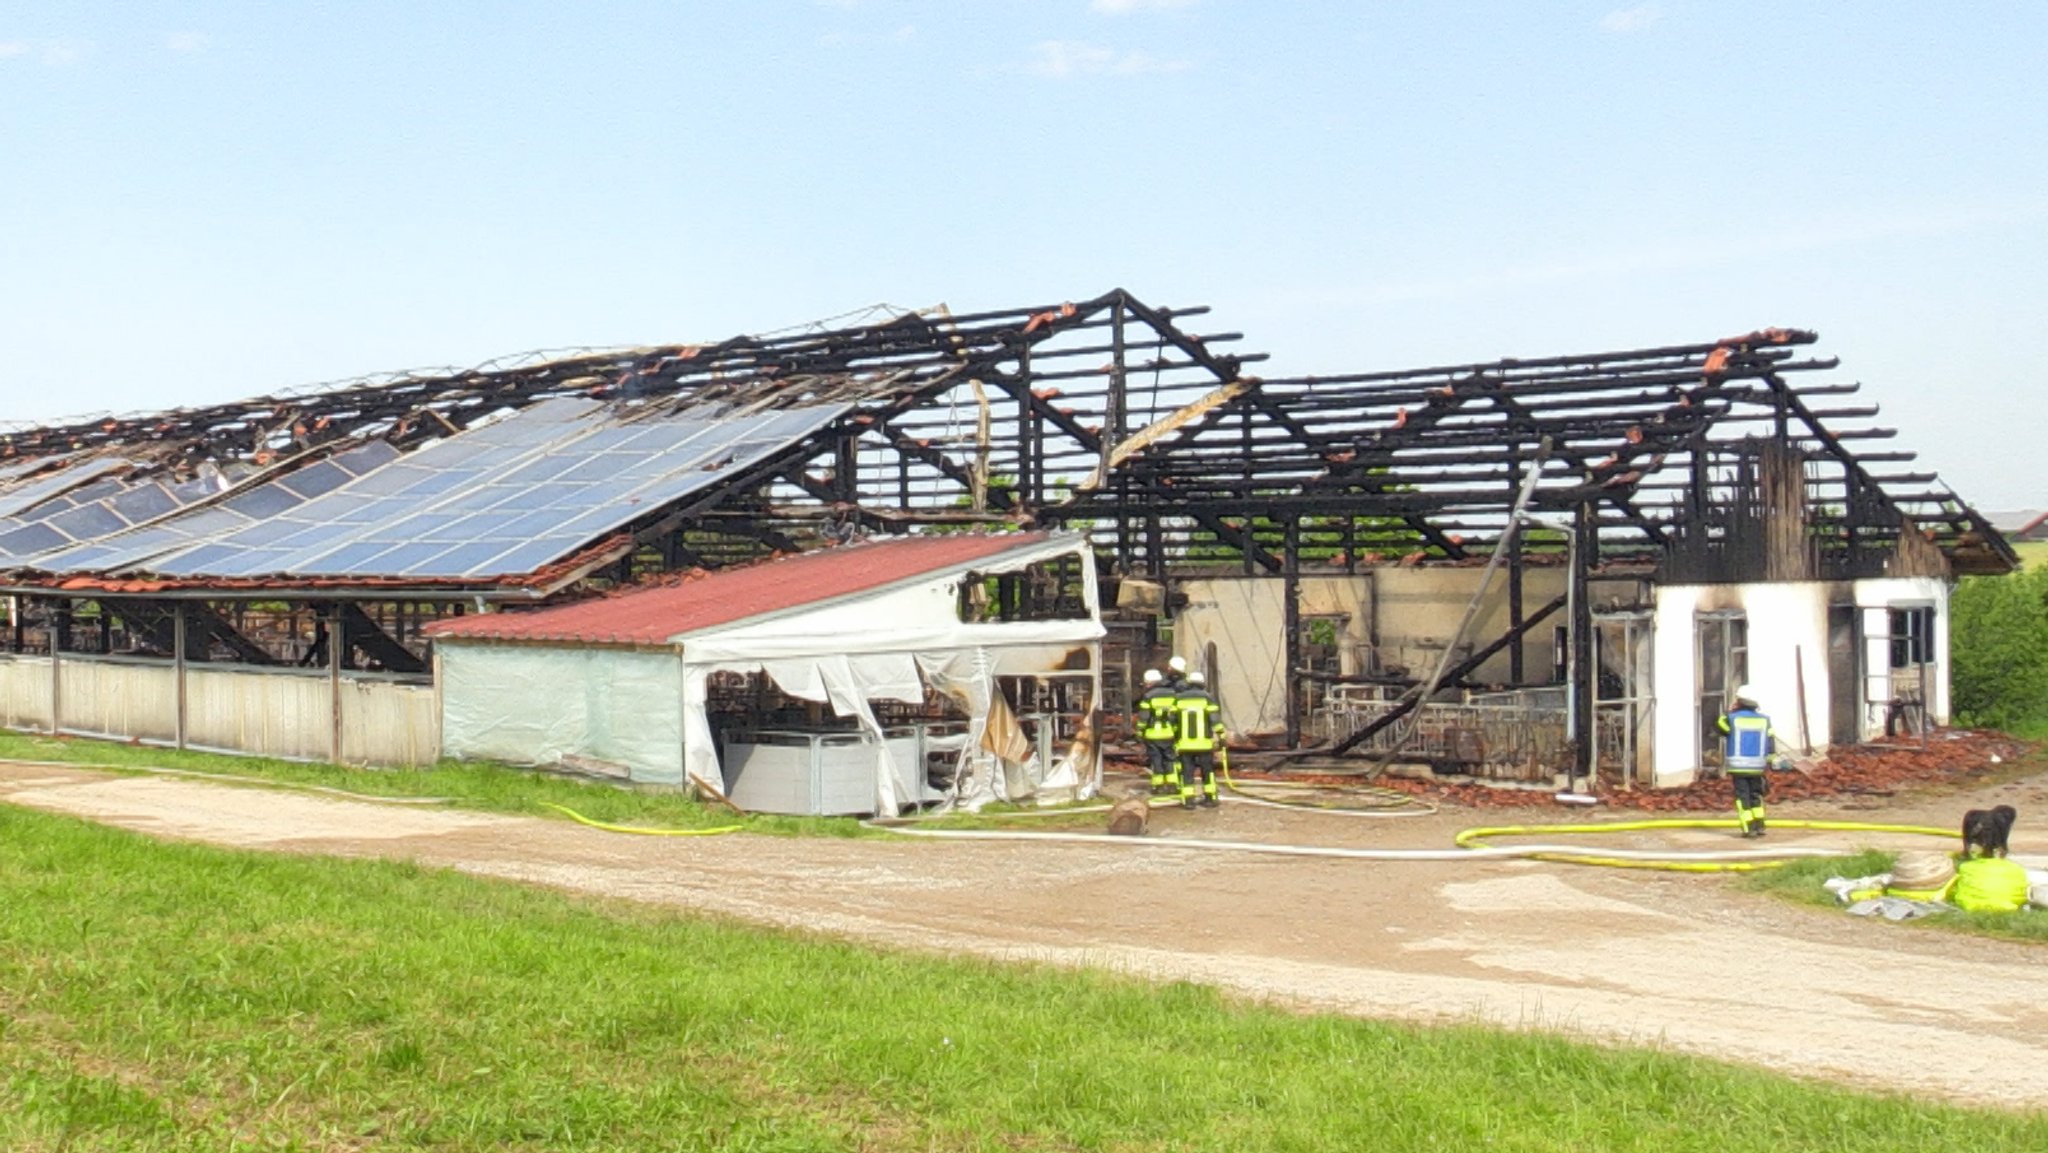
(1514, 568)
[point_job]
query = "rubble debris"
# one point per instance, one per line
(1950, 757)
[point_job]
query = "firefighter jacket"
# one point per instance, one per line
(1201, 721)
(1158, 714)
(1750, 741)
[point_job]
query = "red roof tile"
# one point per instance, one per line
(702, 600)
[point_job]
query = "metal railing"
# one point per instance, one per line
(1515, 736)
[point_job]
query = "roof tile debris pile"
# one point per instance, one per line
(1951, 757)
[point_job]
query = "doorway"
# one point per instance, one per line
(1722, 645)
(1845, 674)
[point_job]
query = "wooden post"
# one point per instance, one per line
(56, 631)
(1585, 678)
(178, 665)
(336, 645)
(1290, 641)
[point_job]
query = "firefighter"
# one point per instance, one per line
(1199, 733)
(1156, 719)
(1177, 672)
(1749, 750)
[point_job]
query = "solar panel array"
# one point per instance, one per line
(33, 490)
(96, 510)
(506, 498)
(134, 547)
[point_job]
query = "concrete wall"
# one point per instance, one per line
(25, 692)
(1418, 609)
(121, 699)
(1788, 624)
(1411, 612)
(240, 709)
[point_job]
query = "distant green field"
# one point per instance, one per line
(2033, 552)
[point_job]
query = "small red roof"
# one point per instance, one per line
(702, 600)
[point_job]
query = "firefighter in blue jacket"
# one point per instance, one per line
(1749, 749)
(1157, 720)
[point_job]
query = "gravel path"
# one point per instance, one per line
(1683, 962)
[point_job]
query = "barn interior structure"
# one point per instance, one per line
(1511, 568)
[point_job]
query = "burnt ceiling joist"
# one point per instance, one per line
(1651, 436)
(1110, 413)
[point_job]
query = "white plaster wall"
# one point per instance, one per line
(1788, 629)
(1414, 610)
(1875, 598)
(1675, 681)
(1419, 608)
(1788, 624)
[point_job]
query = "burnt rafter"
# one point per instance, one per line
(1642, 434)
(1111, 412)
(1965, 524)
(203, 628)
(364, 635)
(919, 350)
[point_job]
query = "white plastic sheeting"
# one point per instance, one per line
(537, 704)
(645, 708)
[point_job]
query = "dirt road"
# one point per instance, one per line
(1686, 962)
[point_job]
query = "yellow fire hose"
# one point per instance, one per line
(1476, 838)
(580, 819)
(1382, 802)
(1471, 844)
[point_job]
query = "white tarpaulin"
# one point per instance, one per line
(892, 645)
(645, 707)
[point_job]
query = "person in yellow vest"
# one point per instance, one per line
(1200, 731)
(1156, 718)
(1989, 885)
(1749, 748)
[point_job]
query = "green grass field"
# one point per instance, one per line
(2032, 552)
(160, 996)
(1801, 881)
(467, 784)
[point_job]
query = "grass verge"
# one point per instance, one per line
(1801, 882)
(467, 784)
(175, 997)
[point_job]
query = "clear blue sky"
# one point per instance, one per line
(206, 201)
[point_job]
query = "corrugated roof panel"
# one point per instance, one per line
(653, 615)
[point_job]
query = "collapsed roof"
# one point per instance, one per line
(516, 479)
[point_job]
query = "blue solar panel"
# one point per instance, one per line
(111, 543)
(21, 497)
(544, 483)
